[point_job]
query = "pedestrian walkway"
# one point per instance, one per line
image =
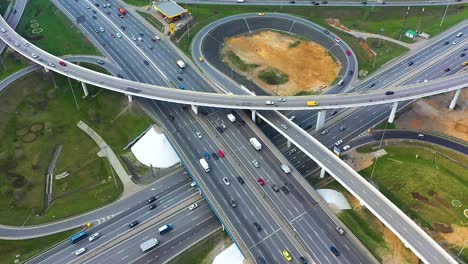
(129, 187)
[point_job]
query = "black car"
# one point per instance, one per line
(351, 72)
(146, 62)
(150, 200)
(179, 78)
(303, 260)
(94, 17)
(324, 2)
(219, 129)
(119, 75)
(316, 4)
(389, 92)
(292, 2)
(462, 55)
(372, 85)
(96, 30)
(334, 112)
(242, 122)
(141, 34)
(447, 69)
(240, 180)
(410, 63)
(204, 113)
(326, 32)
(364, 3)
(133, 224)
(215, 156)
(275, 188)
(233, 203)
(284, 189)
(334, 251)
(152, 206)
(257, 226)
(446, 43)
(171, 117)
(96, 4)
(123, 27)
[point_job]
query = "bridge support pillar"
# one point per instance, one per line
(46, 69)
(85, 89)
(320, 119)
(288, 143)
(453, 103)
(393, 112)
(254, 115)
(195, 109)
(130, 98)
(322, 173)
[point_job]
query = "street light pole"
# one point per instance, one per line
(404, 22)
(419, 22)
(277, 82)
(445, 13)
(378, 48)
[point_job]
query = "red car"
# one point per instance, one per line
(348, 52)
(62, 63)
(153, 39)
(261, 181)
(338, 40)
(221, 153)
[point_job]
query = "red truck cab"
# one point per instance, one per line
(122, 11)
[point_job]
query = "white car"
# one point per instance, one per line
(226, 181)
(140, 39)
(420, 135)
(17, 44)
(337, 39)
(157, 37)
(285, 127)
(338, 142)
(3, 30)
(87, 7)
(134, 38)
(80, 251)
(34, 56)
(192, 206)
(455, 42)
(255, 163)
(292, 118)
(281, 99)
(101, 29)
(51, 64)
(346, 147)
(193, 184)
(199, 135)
(94, 236)
(118, 35)
(269, 103)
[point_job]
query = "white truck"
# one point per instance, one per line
(285, 168)
(254, 142)
(205, 165)
(181, 64)
(149, 244)
(231, 118)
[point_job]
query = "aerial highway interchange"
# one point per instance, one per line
(295, 221)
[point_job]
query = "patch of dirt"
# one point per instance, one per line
(359, 161)
(368, 50)
(308, 65)
(422, 198)
(442, 119)
(458, 237)
(439, 199)
(336, 23)
(397, 252)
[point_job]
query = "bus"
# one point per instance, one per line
(77, 237)
(164, 229)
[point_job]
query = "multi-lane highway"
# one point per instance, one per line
(371, 4)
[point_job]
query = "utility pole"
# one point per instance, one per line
(378, 47)
(404, 22)
(277, 82)
(419, 22)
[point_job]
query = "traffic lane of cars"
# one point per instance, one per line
(295, 192)
(185, 223)
(119, 225)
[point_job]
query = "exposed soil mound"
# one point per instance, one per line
(308, 65)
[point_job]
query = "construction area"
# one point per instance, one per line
(301, 66)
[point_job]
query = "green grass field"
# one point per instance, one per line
(152, 20)
(357, 18)
(30, 247)
(270, 76)
(424, 188)
(200, 253)
(56, 33)
(24, 164)
(12, 62)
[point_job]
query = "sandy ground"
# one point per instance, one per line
(308, 65)
(433, 114)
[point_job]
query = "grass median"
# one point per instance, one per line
(28, 248)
